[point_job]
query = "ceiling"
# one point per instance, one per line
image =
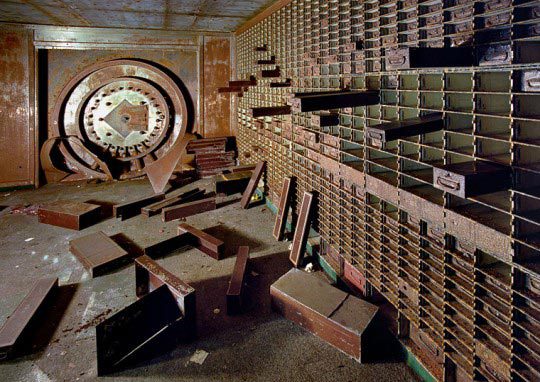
(193, 15)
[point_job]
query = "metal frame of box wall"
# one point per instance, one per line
(410, 358)
(461, 273)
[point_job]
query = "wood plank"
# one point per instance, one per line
(236, 291)
(204, 242)
(25, 315)
(155, 208)
(301, 232)
(98, 253)
(287, 190)
(134, 207)
(188, 209)
(69, 214)
(338, 318)
(252, 185)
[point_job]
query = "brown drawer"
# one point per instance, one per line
(427, 345)
(490, 363)
(409, 292)
(354, 277)
(334, 259)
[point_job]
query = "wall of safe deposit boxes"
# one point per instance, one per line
(463, 275)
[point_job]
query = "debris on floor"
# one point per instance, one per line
(69, 214)
(28, 209)
(164, 314)
(161, 318)
(199, 356)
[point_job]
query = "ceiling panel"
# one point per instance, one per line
(196, 15)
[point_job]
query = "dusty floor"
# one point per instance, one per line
(256, 346)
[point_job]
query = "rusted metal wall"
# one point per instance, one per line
(201, 60)
(64, 64)
(17, 148)
(217, 72)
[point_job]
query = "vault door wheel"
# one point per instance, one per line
(116, 117)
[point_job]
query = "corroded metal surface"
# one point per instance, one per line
(16, 109)
(26, 315)
(119, 116)
(217, 70)
(98, 253)
(153, 14)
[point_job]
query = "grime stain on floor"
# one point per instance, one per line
(256, 346)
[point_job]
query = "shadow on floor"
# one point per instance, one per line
(106, 208)
(233, 239)
(212, 318)
(37, 336)
(228, 202)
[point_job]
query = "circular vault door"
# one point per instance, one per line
(118, 117)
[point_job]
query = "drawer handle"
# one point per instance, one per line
(496, 313)
(534, 82)
(496, 283)
(397, 60)
(500, 19)
(448, 183)
(535, 286)
(375, 135)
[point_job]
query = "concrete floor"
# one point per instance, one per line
(257, 346)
